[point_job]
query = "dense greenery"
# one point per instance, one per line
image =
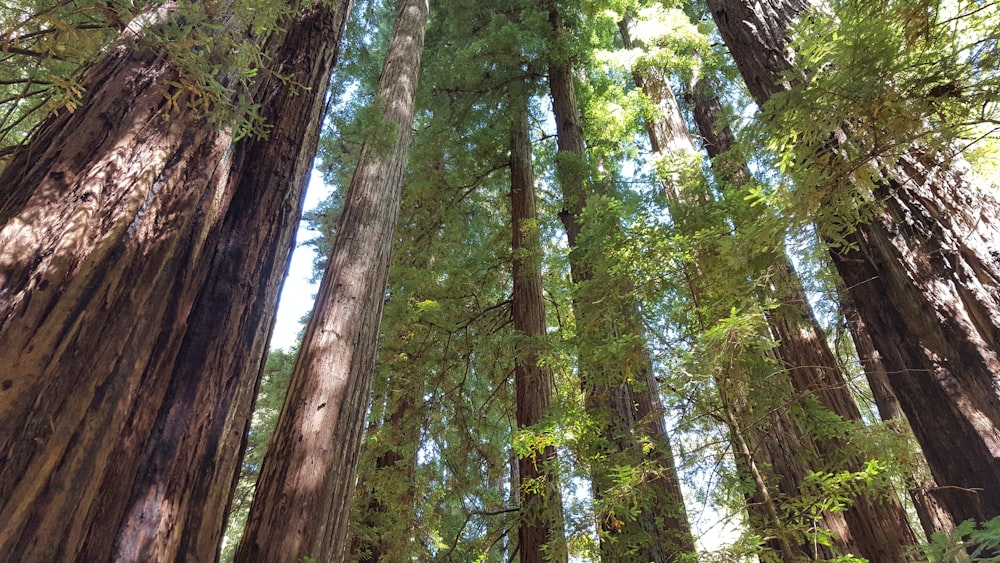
(441, 443)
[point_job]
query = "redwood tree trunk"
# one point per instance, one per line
(301, 508)
(932, 514)
(924, 275)
(103, 217)
(540, 533)
(194, 339)
(878, 530)
(191, 461)
(625, 401)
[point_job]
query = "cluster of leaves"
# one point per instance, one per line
(970, 541)
(45, 46)
(887, 76)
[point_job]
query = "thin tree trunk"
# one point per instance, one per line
(384, 531)
(687, 200)
(924, 275)
(878, 528)
(303, 498)
(801, 345)
(625, 400)
(540, 532)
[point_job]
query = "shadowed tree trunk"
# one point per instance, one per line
(923, 273)
(191, 461)
(879, 528)
(624, 400)
(118, 232)
(932, 514)
(777, 452)
(302, 505)
(540, 533)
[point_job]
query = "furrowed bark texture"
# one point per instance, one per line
(924, 274)
(626, 402)
(302, 505)
(186, 395)
(921, 486)
(540, 534)
(103, 218)
(183, 487)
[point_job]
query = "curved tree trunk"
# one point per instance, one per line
(924, 274)
(540, 534)
(624, 400)
(302, 505)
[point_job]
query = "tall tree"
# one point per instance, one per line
(919, 265)
(156, 274)
(188, 465)
(879, 527)
(622, 394)
(301, 508)
(920, 485)
(877, 530)
(540, 534)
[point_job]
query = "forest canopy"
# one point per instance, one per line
(607, 280)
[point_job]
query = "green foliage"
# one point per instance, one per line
(436, 468)
(871, 81)
(217, 48)
(970, 542)
(827, 493)
(45, 47)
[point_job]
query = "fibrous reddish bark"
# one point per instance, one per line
(922, 270)
(301, 508)
(179, 295)
(921, 486)
(191, 461)
(103, 215)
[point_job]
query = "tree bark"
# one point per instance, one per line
(540, 533)
(879, 529)
(801, 345)
(624, 400)
(932, 514)
(191, 461)
(103, 216)
(924, 274)
(181, 314)
(303, 498)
